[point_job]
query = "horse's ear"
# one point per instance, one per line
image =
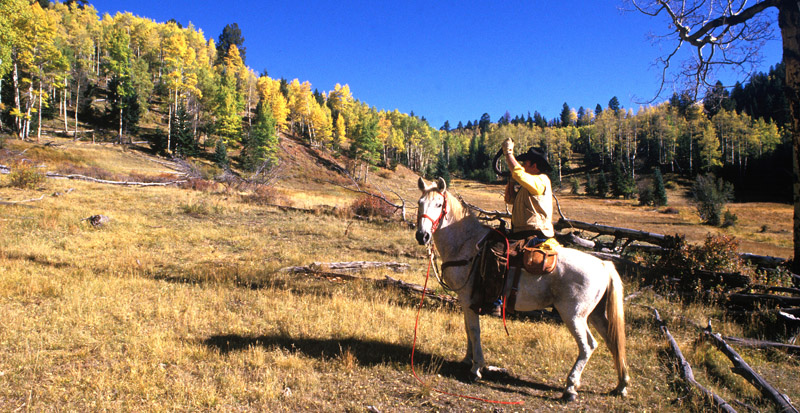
(421, 184)
(441, 185)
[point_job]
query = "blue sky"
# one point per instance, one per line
(445, 60)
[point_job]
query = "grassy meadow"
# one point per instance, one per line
(178, 303)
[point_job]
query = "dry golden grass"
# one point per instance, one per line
(178, 304)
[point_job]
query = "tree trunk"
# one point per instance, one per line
(64, 102)
(77, 103)
(169, 125)
(789, 22)
(18, 119)
(120, 122)
(39, 125)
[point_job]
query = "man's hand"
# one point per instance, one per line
(508, 146)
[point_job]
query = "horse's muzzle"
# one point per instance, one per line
(423, 238)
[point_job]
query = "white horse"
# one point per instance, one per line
(582, 288)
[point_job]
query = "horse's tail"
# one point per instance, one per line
(616, 322)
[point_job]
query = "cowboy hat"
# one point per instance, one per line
(536, 156)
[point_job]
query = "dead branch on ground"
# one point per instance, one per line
(349, 266)
(763, 344)
(685, 369)
(743, 369)
(104, 181)
(22, 201)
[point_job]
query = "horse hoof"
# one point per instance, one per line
(569, 397)
(495, 369)
(620, 392)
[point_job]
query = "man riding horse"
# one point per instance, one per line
(533, 200)
(530, 193)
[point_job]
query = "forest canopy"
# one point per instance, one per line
(127, 76)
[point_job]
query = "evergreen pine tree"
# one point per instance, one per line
(659, 192)
(614, 105)
(221, 154)
(183, 139)
(621, 183)
(601, 190)
(262, 144)
(442, 169)
(565, 114)
(590, 187)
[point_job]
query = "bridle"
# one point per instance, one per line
(436, 222)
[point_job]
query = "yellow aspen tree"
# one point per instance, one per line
(174, 47)
(270, 91)
(321, 125)
(300, 101)
(340, 100)
(339, 132)
(35, 57)
(384, 136)
(15, 21)
(78, 24)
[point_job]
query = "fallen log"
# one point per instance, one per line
(21, 201)
(772, 289)
(350, 267)
(743, 369)
(763, 260)
(659, 241)
(714, 278)
(750, 300)
(618, 232)
(416, 288)
(359, 266)
(104, 181)
(685, 369)
(764, 345)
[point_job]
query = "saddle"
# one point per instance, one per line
(496, 255)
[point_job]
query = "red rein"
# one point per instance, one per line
(435, 224)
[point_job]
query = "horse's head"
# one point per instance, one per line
(432, 209)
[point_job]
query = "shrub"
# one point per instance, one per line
(646, 196)
(711, 196)
(729, 219)
(717, 253)
(369, 206)
(25, 175)
(265, 195)
(576, 186)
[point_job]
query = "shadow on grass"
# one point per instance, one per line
(36, 259)
(371, 353)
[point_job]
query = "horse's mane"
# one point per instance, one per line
(456, 207)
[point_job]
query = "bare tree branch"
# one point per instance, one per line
(724, 33)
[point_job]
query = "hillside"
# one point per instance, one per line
(311, 177)
(178, 302)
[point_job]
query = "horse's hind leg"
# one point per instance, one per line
(600, 322)
(586, 346)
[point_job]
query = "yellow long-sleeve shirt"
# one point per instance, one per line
(533, 204)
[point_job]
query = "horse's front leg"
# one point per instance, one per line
(472, 324)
